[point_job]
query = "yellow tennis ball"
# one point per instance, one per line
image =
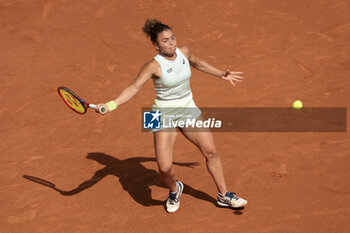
(297, 104)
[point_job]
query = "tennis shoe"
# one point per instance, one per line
(173, 202)
(231, 200)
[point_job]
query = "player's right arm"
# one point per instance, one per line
(147, 71)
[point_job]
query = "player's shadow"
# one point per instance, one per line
(133, 176)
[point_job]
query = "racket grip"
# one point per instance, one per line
(92, 106)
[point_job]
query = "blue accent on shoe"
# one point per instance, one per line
(231, 195)
(172, 195)
(175, 197)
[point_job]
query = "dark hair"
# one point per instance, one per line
(153, 27)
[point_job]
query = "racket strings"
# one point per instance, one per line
(71, 100)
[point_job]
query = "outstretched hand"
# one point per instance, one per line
(232, 76)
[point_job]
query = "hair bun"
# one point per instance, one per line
(150, 24)
(153, 27)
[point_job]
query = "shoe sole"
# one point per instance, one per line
(227, 205)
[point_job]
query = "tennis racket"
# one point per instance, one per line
(74, 102)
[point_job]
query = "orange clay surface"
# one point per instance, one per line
(63, 172)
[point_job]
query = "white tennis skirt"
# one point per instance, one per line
(176, 113)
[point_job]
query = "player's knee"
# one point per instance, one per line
(165, 169)
(211, 153)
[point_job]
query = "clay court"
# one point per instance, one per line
(64, 172)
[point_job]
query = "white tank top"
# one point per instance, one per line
(174, 83)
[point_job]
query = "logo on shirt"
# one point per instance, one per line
(151, 120)
(170, 70)
(183, 61)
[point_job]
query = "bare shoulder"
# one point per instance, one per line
(185, 50)
(151, 68)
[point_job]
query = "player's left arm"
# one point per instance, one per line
(205, 67)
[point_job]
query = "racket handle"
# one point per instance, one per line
(102, 109)
(92, 106)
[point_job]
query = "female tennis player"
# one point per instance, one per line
(170, 71)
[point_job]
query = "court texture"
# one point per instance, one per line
(64, 172)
